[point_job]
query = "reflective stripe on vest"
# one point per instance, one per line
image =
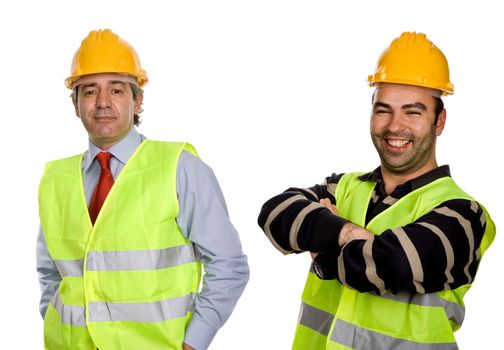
(157, 311)
(128, 260)
(133, 312)
(132, 278)
(316, 319)
(436, 315)
(320, 320)
(352, 336)
(68, 268)
(131, 260)
(454, 311)
(69, 314)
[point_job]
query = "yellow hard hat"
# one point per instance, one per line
(413, 59)
(103, 51)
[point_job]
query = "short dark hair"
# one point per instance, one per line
(438, 108)
(135, 91)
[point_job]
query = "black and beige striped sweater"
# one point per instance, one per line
(448, 237)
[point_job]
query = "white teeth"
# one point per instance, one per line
(398, 143)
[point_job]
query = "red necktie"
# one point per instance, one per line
(103, 187)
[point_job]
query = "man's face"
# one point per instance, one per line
(402, 128)
(106, 107)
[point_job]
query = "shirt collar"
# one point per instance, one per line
(415, 183)
(122, 151)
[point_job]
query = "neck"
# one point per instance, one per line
(393, 179)
(105, 143)
(105, 146)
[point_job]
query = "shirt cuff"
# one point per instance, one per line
(198, 334)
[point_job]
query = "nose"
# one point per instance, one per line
(396, 123)
(103, 99)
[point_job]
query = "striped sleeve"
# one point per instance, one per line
(294, 221)
(440, 251)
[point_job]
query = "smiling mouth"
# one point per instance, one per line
(397, 143)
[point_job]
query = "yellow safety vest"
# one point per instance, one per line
(333, 316)
(129, 281)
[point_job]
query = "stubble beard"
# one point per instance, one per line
(400, 164)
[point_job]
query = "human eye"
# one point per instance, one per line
(413, 112)
(117, 89)
(381, 111)
(88, 92)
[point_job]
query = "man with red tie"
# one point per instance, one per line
(127, 225)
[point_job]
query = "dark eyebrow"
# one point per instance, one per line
(112, 82)
(88, 85)
(380, 104)
(117, 82)
(418, 105)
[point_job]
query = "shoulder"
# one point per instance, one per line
(193, 168)
(66, 159)
(461, 211)
(63, 162)
(333, 178)
(349, 181)
(190, 161)
(169, 145)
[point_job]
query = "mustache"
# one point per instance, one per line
(104, 112)
(403, 135)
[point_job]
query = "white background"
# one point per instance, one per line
(272, 94)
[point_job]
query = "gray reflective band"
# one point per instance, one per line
(355, 337)
(68, 268)
(69, 314)
(429, 299)
(128, 260)
(141, 312)
(316, 319)
(454, 311)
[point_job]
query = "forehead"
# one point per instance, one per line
(403, 94)
(104, 78)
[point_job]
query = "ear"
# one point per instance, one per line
(441, 122)
(138, 103)
(75, 99)
(76, 108)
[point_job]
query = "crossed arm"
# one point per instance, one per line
(348, 232)
(434, 253)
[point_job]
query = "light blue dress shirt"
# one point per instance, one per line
(202, 218)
